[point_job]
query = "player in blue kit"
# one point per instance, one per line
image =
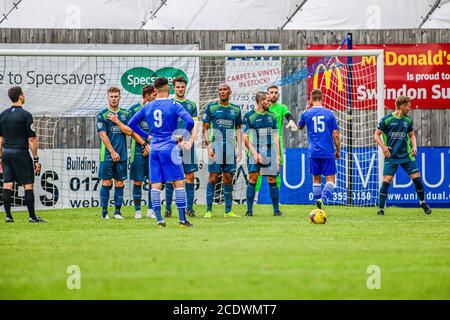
(262, 139)
(190, 165)
(165, 162)
(138, 162)
(221, 130)
(113, 153)
(399, 147)
(323, 137)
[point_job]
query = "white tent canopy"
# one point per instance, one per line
(225, 15)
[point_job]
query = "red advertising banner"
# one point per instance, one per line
(420, 71)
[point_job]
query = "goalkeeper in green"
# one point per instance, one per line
(281, 112)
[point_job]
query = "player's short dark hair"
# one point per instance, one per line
(261, 95)
(160, 82)
(148, 89)
(401, 100)
(113, 89)
(316, 95)
(179, 79)
(224, 84)
(14, 93)
(273, 86)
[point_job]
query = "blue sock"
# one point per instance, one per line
(228, 193)
(180, 200)
(149, 194)
(190, 196)
(327, 192)
(104, 197)
(275, 196)
(118, 199)
(156, 202)
(137, 195)
(251, 191)
(209, 195)
(383, 194)
(169, 196)
(317, 191)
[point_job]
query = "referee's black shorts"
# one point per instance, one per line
(17, 166)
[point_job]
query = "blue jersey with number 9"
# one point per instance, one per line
(320, 123)
(162, 119)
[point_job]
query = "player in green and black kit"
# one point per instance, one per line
(281, 112)
(138, 161)
(222, 133)
(262, 140)
(113, 152)
(399, 147)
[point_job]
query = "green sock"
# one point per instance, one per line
(258, 183)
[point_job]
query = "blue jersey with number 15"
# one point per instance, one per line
(162, 119)
(320, 123)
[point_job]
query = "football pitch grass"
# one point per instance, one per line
(262, 257)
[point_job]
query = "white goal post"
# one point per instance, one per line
(209, 68)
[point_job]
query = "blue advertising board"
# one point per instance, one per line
(433, 162)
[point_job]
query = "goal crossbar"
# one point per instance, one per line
(190, 53)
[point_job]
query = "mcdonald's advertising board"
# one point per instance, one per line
(420, 71)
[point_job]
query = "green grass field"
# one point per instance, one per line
(262, 257)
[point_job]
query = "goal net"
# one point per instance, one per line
(342, 81)
(65, 89)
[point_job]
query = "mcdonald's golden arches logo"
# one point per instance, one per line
(327, 74)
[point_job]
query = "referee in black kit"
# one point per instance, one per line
(17, 135)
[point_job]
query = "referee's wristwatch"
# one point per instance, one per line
(35, 159)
